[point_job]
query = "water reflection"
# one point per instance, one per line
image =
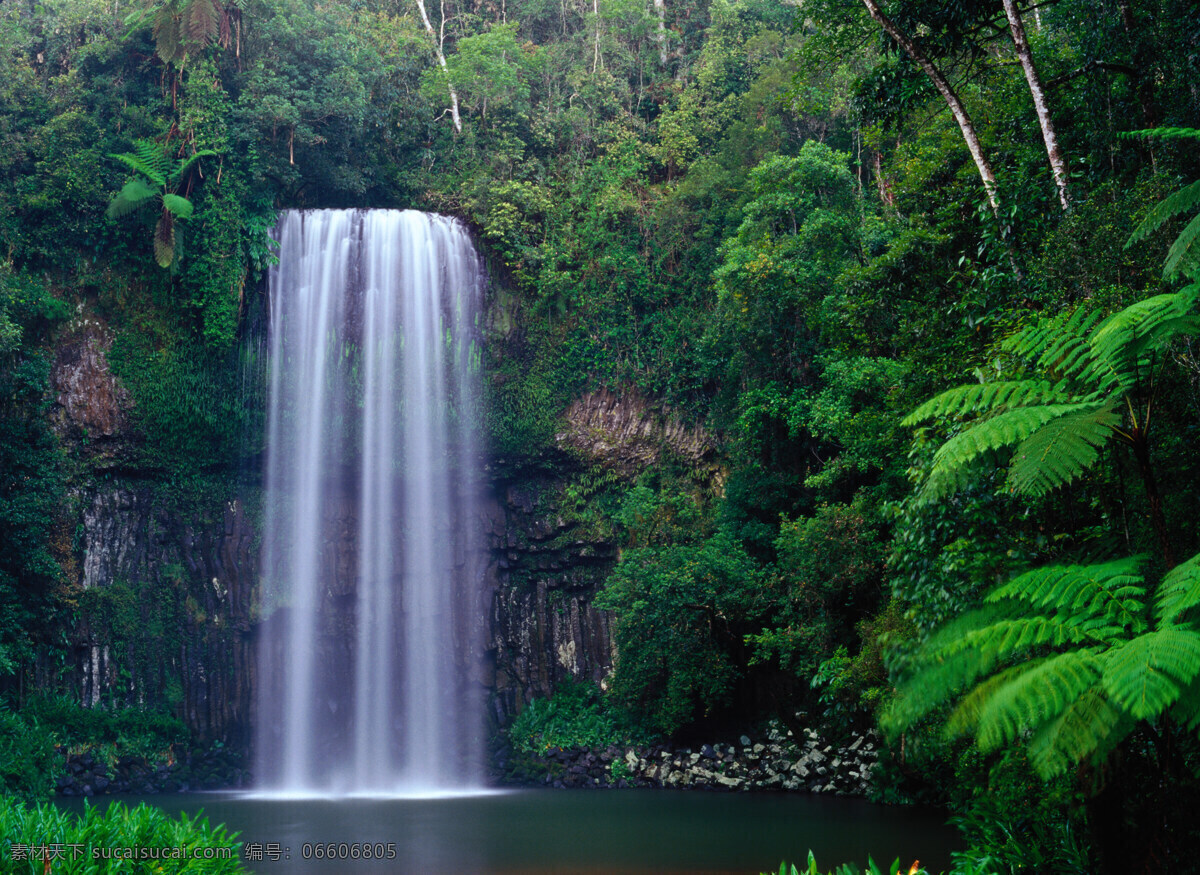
(564, 833)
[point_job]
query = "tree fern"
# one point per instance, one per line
(166, 174)
(1065, 659)
(1054, 454)
(1183, 259)
(1091, 381)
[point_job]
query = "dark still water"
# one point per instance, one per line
(534, 832)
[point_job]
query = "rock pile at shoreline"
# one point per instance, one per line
(777, 762)
(85, 774)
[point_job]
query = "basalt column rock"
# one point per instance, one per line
(547, 570)
(167, 607)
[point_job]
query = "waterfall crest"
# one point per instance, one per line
(371, 552)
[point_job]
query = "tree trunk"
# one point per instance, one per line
(948, 94)
(596, 50)
(1057, 166)
(437, 47)
(660, 9)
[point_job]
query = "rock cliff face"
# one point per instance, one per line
(182, 586)
(167, 607)
(627, 434)
(546, 573)
(92, 406)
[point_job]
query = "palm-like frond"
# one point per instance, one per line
(148, 159)
(1050, 429)
(954, 461)
(1147, 674)
(1179, 594)
(979, 397)
(1183, 258)
(202, 22)
(169, 41)
(1108, 591)
(1182, 201)
(1061, 450)
(132, 197)
(1061, 657)
(1055, 343)
(1087, 729)
(1039, 691)
(179, 207)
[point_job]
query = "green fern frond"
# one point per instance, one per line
(202, 22)
(1109, 591)
(954, 460)
(980, 397)
(1060, 451)
(1183, 258)
(1187, 710)
(132, 197)
(1040, 692)
(179, 207)
(138, 163)
(1182, 201)
(1147, 674)
(1056, 343)
(1164, 133)
(1179, 592)
(179, 172)
(1124, 337)
(964, 719)
(1087, 728)
(169, 42)
(949, 662)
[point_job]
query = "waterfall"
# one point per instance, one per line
(371, 552)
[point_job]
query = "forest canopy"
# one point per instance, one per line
(923, 272)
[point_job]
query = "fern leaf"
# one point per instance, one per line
(168, 36)
(138, 163)
(1109, 591)
(964, 651)
(164, 239)
(179, 207)
(954, 460)
(132, 197)
(1146, 674)
(1182, 201)
(1028, 698)
(1164, 133)
(1187, 709)
(1184, 255)
(985, 397)
(202, 22)
(186, 164)
(1086, 729)
(1179, 592)
(1060, 451)
(964, 719)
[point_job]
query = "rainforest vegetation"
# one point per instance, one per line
(925, 273)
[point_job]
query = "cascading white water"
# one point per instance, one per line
(370, 547)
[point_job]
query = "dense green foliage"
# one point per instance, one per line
(761, 219)
(576, 715)
(190, 844)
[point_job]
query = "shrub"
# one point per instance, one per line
(26, 757)
(575, 716)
